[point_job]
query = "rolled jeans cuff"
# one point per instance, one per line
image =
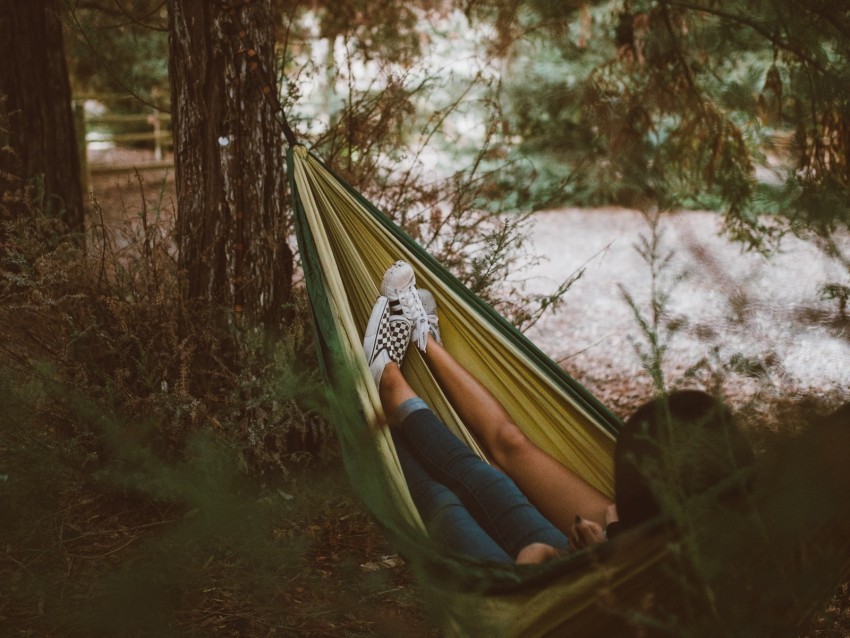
(408, 407)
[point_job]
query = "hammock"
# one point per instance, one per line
(346, 244)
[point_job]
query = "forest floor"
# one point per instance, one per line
(757, 324)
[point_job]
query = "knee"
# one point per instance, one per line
(507, 441)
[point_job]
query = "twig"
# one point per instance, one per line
(583, 350)
(337, 609)
(79, 28)
(755, 26)
(8, 556)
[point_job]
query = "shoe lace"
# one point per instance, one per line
(434, 322)
(414, 311)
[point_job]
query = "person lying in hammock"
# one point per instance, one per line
(527, 507)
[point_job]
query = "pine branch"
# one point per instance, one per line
(680, 54)
(755, 26)
(82, 32)
(138, 21)
(828, 17)
(120, 11)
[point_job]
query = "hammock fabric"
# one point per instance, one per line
(346, 244)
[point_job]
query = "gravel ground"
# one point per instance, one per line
(765, 311)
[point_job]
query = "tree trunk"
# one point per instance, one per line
(35, 100)
(229, 159)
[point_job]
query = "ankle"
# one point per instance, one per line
(393, 387)
(389, 378)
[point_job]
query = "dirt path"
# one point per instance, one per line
(745, 308)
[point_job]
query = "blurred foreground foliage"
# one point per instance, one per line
(165, 472)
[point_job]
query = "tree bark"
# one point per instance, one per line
(35, 100)
(229, 162)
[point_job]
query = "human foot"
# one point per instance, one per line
(429, 304)
(386, 339)
(399, 287)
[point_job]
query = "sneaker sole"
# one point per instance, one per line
(370, 337)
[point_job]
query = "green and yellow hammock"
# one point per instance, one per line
(346, 244)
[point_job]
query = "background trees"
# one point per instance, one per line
(117, 47)
(655, 104)
(659, 104)
(741, 106)
(36, 121)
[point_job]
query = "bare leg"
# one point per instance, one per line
(558, 492)
(394, 391)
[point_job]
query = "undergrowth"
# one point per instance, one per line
(762, 552)
(111, 324)
(166, 469)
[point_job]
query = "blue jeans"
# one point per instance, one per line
(465, 503)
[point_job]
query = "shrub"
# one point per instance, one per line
(111, 324)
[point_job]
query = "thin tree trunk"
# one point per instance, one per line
(229, 159)
(35, 96)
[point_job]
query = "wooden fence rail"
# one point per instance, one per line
(87, 131)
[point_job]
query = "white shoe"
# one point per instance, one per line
(399, 286)
(386, 339)
(430, 306)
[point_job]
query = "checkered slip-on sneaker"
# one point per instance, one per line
(399, 286)
(386, 339)
(429, 304)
